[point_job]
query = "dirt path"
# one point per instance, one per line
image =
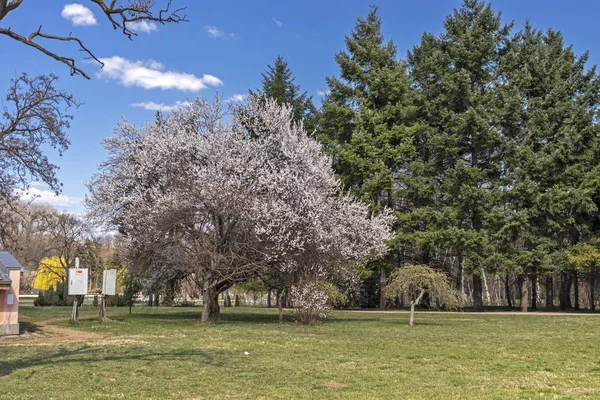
(49, 333)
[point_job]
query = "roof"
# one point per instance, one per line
(8, 261)
(4, 277)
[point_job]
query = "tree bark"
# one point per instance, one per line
(269, 299)
(210, 305)
(549, 293)
(592, 283)
(382, 283)
(411, 321)
(576, 283)
(534, 293)
(507, 289)
(150, 300)
(280, 306)
(156, 299)
(487, 289)
(565, 290)
(477, 293)
(524, 294)
(460, 277)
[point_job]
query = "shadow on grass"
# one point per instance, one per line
(95, 354)
(28, 327)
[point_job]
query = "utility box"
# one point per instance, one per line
(109, 282)
(78, 281)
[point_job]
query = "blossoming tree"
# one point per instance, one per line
(229, 201)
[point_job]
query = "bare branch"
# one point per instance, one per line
(138, 10)
(6, 7)
(65, 60)
(120, 16)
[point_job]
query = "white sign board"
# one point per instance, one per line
(109, 282)
(78, 281)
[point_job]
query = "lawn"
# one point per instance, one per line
(165, 353)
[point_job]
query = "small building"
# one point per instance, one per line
(10, 279)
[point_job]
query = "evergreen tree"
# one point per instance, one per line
(551, 157)
(365, 122)
(278, 84)
(460, 145)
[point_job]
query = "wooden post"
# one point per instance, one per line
(75, 313)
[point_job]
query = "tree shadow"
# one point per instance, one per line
(93, 354)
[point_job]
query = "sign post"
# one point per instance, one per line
(78, 286)
(109, 288)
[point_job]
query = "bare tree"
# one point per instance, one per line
(122, 15)
(35, 115)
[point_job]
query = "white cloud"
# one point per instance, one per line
(217, 33)
(277, 22)
(321, 93)
(142, 26)
(79, 15)
(214, 31)
(151, 75)
(48, 197)
(236, 98)
(150, 105)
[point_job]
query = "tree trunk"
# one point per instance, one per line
(411, 322)
(487, 289)
(150, 300)
(210, 305)
(477, 293)
(565, 290)
(534, 293)
(549, 293)
(592, 283)
(576, 282)
(382, 284)
(156, 300)
(460, 277)
(280, 306)
(285, 298)
(507, 289)
(269, 299)
(524, 294)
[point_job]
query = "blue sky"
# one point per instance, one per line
(224, 48)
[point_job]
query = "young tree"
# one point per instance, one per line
(366, 120)
(419, 280)
(278, 84)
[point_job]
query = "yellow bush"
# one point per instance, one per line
(50, 273)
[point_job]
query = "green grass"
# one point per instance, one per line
(165, 353)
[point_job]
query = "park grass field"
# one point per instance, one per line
(164, 353)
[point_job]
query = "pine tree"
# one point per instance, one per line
(278, 83)
(365, 122)
(456, 74)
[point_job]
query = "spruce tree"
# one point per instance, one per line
(278, 84)
(366, 120)
(456, 74)
(551, 157)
